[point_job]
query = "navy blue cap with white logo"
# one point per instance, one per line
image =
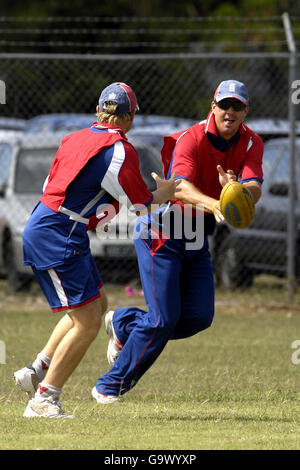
(121, 94)
(231, 89)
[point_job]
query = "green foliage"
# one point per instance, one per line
(144, 8)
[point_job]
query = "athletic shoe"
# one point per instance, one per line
(48, 407)
(104, 399)
(27, 379)
(114, 345)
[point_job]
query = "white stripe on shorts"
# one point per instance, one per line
(59, 288)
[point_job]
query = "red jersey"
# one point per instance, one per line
(193, 156)
(73, 154)
(121, 177)
(94, 169)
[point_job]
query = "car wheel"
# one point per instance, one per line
(231, 272)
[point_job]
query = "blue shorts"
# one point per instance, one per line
(72, 284)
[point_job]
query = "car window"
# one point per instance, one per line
(32, 168)
(281, 173)
(5, 161)
(149, 162)
(276, 163)
(156, 140)
(276, 167)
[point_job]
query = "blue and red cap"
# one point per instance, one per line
(121, 94)
(231, 89)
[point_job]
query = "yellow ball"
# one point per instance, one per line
(237, 205)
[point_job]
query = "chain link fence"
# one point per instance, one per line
(176, 85)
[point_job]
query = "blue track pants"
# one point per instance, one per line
(179, 292)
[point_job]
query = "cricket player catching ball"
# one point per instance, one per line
(177, 278)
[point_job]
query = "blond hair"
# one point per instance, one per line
(109, 114)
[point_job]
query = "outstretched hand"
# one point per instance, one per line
(227, 177)
(165, 188)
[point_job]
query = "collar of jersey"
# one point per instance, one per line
(106, 125)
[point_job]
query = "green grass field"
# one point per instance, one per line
(233, 386)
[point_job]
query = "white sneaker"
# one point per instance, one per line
(48, 407)
(27, 379)
(114, 346)
(104, 399)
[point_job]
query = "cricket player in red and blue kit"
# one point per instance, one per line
(93, 167)
(177, 276)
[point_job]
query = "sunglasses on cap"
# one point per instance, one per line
(226, 104)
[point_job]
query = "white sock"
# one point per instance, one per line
(41, 365)
(46, 390)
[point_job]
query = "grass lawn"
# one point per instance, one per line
(231, 387)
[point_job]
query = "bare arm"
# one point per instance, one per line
(187, 193)
(254, 188)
